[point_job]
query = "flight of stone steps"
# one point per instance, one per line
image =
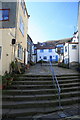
(33, 95)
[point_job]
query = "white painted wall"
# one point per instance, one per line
(73, 53)
(47, 54)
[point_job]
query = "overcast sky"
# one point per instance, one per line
(51, 20)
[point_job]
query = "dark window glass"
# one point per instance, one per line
(44, 57)
(20, 52)
(41, 50)
(50, 50)
(74, 47)
(66, 49)
(4, 15)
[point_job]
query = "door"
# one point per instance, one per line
(51, 58)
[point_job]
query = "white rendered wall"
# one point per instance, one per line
(73, 53)
(47, 54)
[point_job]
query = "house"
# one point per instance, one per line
(79, 27)
(46, 52)
(71, 51)
(60, 48)
(33, 53)
(13, 32)
(29, 48)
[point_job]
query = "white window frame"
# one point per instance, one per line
(20, 52)
(75, 47)
(21, 25)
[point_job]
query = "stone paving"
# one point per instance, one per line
(45, 70)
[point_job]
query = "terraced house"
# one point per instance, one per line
(13, 32)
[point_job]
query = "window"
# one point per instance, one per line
(74, 47)
(4, 15)
(62, 51)
(21, 25)
(66, 49)
(44, 57)
(23, 7)
(20, 52)
(50, 50)
(0, 51)
(41, 50)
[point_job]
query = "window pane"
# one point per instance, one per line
(21, 25)
(45, 58)
(41, 50)
(20, 52)
(5, 14)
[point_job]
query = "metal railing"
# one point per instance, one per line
(55, 82)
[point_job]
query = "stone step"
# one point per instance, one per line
(39, 103)
(39, 97)
(31, 113)
(43, 82)
(39, 91)
(41, 86)
(30, 86)
(46, 78)
(27, 112)
(50, 75)
(32, 82)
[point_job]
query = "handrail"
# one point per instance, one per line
(57, 84)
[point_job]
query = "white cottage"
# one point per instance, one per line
(47, 54)
(71, 50)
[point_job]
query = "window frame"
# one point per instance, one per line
(8, 14)
(21, 25)
(74, 48)
(20, 52)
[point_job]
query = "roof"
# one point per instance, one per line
(29, 38)
(52, 44)
(44, 47)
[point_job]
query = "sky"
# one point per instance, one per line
(51, 20)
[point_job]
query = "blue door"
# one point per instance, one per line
(56, 58)
(51, 58)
